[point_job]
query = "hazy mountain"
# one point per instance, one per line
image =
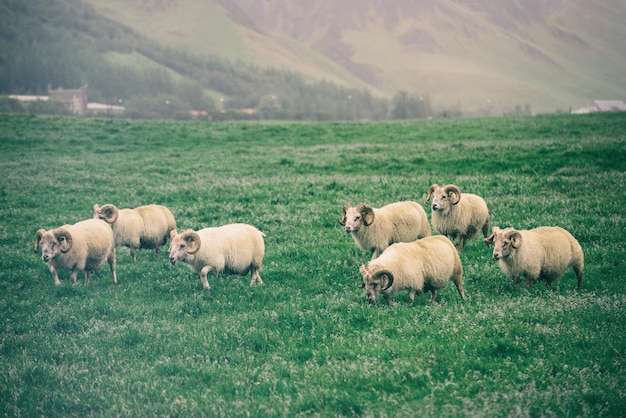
(483, 56)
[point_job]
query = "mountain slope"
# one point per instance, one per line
(484, 56)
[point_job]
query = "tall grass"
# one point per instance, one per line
(307, 343)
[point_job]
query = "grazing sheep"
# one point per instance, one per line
(458, 216)
(234, 248)
(374, 229)
(143, 227)
(83, 246)
(426, 264)
(542, 253)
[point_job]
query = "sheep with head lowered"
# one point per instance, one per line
(418, 266)
(84, 246)
(458, 216)
(234, 248)
(374, 229)
(543, 253)
(142, 227)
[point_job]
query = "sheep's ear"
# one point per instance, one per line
(516, 239)
(430, 191)
(38, 236)
(367, 213)
(489, 240)
(342, 221)
(173, 233)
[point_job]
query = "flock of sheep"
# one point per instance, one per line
(404, 254)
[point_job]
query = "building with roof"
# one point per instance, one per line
(602, 106)
(74, 99)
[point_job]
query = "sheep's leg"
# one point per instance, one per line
(73, 276)
(255, 277)
(388, 299)
(579, 275)
(55, 276)
(87, 276)
(112, 266)
(485, 229)
(460, 243)
(203, 276)
(157, 253)
(433, 295)
(457, 279)
(459, 287)
(132, 254)
(411, 294)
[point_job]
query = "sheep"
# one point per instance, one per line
(374, 229)
(425, 264)
(543, 253)
(233, 248)
(143, 227)
(83, 246)
(458, 216)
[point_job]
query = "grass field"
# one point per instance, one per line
(307, 342)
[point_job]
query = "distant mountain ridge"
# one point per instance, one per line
(484, 56)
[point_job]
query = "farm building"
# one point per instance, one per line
(75, 99)
(602, 106)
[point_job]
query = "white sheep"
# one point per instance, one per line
(142, 227)
(234, 248)
(374, 229)
(542, 253)
(83, 246)
(426, 264)
(458, 216)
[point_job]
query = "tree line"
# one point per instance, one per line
(63, 43)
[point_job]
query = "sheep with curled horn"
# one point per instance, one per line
(458, 216)
(427, 264)
(542, 253)
(233, 248)
(144, 227)
(82, 247)
(374, 229)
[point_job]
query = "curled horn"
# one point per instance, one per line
(38, 236)
(342, 221)
(367, 213)
(365, 274)
(516, 239)
(389, 279)
(430, 191)
(109, 213)
(192, 236)
(65, 238)
(451, 188)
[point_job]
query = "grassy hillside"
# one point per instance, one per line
(308, 343)
(485, 57)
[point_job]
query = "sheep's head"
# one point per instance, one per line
(376, 283)
(187, 242)
(443, 197)
(354, 218)
(504, 241)
(107, 213)
(53, 242)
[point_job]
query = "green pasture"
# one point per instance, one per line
(307, 343)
